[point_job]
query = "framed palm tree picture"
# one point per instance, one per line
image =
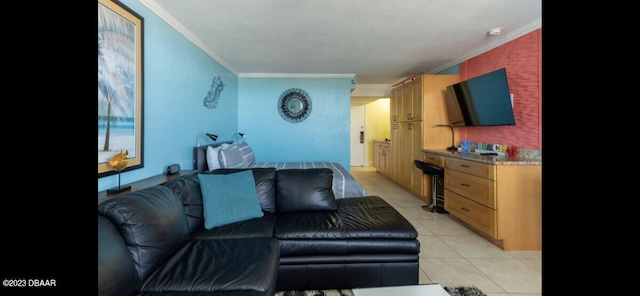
(120, 86)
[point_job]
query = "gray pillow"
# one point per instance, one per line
(299, 190)
(247, 154)
(213, 159)
(231, 157)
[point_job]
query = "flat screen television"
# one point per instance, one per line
(484, 100)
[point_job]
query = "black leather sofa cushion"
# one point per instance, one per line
(320, 247)
(360, 225)
(373, 217)
(257, 227)
(322, 242)
(152, 222)
(342, 259)
(117, 274)
(188, 189)
(234, 265)
(356, 217)
(347, 275)
(300, 190)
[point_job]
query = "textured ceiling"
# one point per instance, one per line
(380, 41)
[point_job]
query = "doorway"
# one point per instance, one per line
(356, 135)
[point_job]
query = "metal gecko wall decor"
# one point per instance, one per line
(211, 100)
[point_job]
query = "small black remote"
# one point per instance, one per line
(489, 153)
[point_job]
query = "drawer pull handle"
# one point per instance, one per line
(464, 166)
(466, 185)
(464, 209)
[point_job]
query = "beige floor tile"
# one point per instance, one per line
(432, 246)
(445, 227)
(453, 272)
(531, 258)
(428, 215)
(511, 275)
(419, 213)
(405, 199)
(451, 254)
(525, 254)
(474, 246)
(420, 228)
(423, 278)
(533, 263)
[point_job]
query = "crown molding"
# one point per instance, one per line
(169, 19)
(294, 75)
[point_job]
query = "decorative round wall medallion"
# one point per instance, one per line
(294, 105)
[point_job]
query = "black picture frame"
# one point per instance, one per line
(120, 86)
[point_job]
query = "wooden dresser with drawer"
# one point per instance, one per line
(501, 202)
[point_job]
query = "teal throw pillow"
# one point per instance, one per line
(229, 198)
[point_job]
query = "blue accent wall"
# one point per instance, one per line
(177, 77)
(323, 136)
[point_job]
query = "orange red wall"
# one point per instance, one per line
(522, 59)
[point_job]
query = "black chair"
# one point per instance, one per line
(437, 180)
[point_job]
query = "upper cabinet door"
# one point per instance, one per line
(407, 102)
(395, 107)
(416, 98)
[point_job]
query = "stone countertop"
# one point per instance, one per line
(524, 157)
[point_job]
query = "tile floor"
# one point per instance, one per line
(452, 255)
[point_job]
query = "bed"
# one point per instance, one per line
(344, 185)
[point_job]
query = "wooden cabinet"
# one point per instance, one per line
(417, 176)
(412, 99)
(434, 111)
(396, 147)
(381, 156)
(376, 156)
(434, 159)
(404, 150)
(385, 155)
(501, 202)
(417, 106)
(407, 102)
(395, 104)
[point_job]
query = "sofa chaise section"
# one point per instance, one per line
(364, 243)
(154, 241)
(153, 227)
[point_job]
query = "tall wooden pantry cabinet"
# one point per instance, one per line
(416, 106)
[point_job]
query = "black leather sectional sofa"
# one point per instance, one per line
(153, 241)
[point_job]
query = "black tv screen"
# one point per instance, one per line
(484, 100)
